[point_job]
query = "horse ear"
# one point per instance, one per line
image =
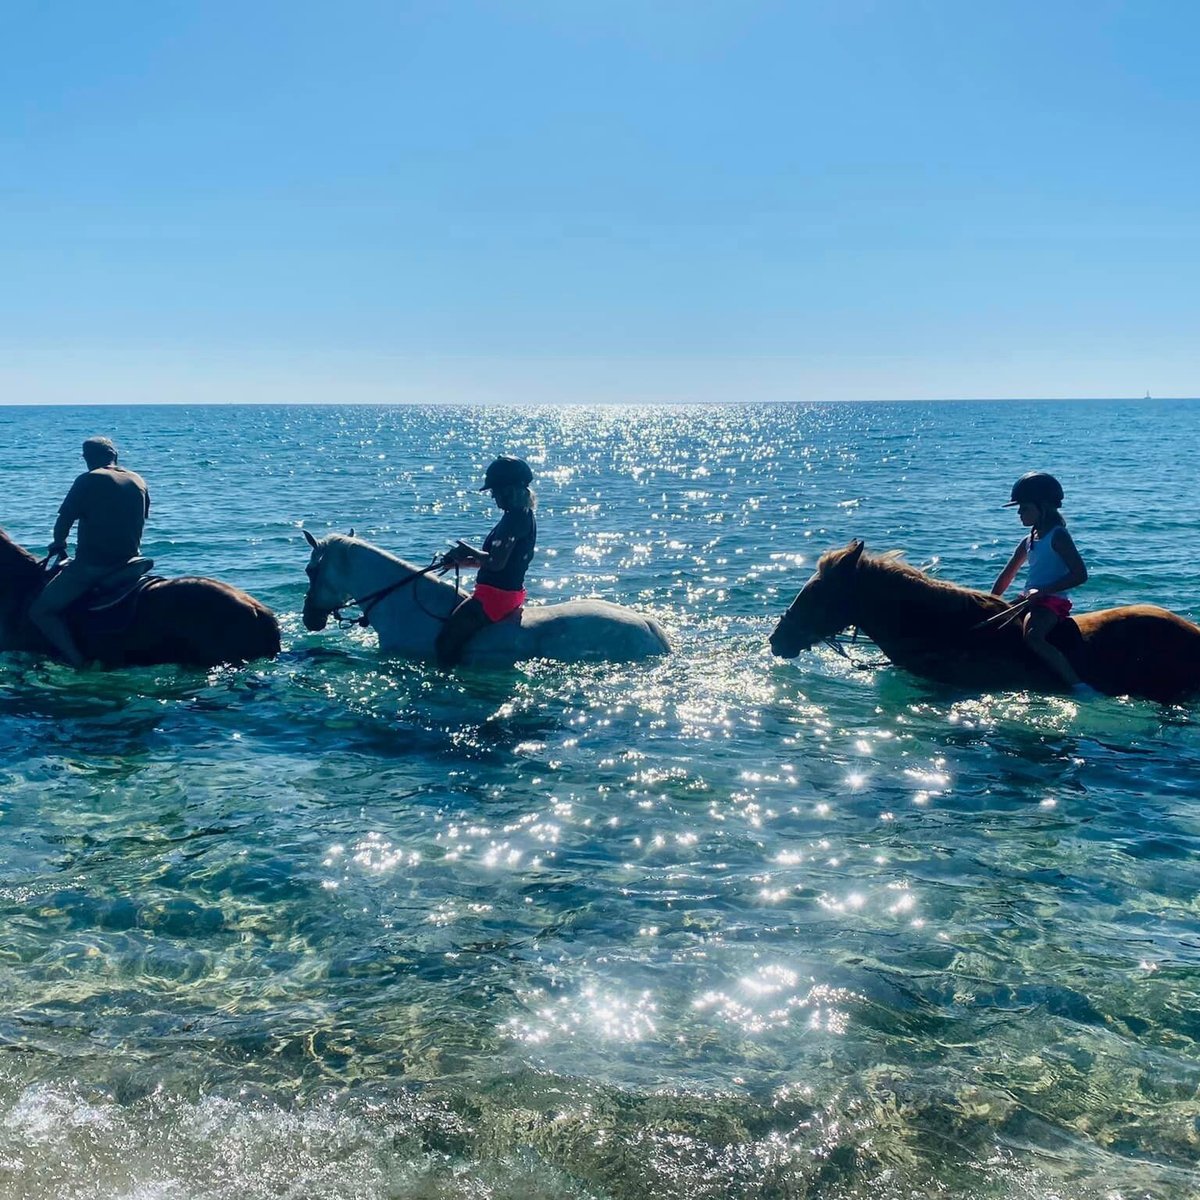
(854, 552)
(312, 541)
(351, 531)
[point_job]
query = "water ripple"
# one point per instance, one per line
(716, 926)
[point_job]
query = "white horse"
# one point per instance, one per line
(407, 607)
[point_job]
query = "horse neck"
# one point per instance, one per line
(408, 619)
(436, 596)
(17, 564)
(906, 607)
(21, 578)
(367, 569)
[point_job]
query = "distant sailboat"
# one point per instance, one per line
(1147, 395)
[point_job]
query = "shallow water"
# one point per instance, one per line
(716, 926)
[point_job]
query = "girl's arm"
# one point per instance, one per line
(1010, 571)
(1064, 545)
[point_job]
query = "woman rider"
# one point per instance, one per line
(501, 562)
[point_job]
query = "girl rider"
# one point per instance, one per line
(502, 560)
(1054, 566)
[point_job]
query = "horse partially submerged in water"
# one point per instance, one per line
(951, 634)
(191, 622)
(407, 607)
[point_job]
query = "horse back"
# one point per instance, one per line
(1140, 649)
(193, 621)
(573, 631)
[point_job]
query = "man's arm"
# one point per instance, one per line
(68, 514)
(62, 531)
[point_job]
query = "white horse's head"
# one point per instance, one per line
(327, 586)
(400, 601)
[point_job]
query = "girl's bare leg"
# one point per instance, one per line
(1038, 624)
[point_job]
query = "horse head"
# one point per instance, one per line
(824, 606)
(325, 593)
(21, 575)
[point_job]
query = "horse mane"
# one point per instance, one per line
(937, 596)
(343, 542)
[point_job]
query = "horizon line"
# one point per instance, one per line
(582, 403)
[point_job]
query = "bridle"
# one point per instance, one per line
(837, 642)
(368, 602)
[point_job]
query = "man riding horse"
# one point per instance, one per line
(111, 505)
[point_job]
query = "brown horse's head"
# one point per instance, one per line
(323, 595)
(16, 562)
(21, 577)
(824, 606)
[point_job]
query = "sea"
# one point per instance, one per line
(716, 925)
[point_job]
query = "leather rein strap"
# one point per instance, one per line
(368, 602)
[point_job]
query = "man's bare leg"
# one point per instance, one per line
(54, 629)
(56, 597)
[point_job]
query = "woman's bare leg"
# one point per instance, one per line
(464, 622)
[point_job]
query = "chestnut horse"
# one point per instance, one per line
(941, 631)
(192, 622)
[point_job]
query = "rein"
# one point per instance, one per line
(368, 602)
(838, 645)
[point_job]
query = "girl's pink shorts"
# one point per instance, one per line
(1060, 606)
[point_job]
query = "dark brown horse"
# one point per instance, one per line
(192, 622)
(937, 630)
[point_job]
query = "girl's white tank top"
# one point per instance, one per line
(1045, 563)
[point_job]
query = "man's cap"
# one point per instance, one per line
(97, 446)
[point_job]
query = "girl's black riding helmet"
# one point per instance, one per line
(1037, 487)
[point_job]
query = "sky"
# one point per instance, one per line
(598, 200)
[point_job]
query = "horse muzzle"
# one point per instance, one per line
(314, 619)
(784, 643)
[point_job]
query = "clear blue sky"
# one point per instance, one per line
(598, 200)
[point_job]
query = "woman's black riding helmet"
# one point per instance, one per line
(507, 471)
(1037, 487)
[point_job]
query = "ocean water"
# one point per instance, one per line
(716, 926)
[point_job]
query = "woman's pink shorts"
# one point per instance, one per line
(497, 602)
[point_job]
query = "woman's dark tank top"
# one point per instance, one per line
(521, 525)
